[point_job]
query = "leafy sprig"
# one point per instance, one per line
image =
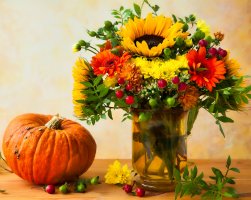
(190, 183)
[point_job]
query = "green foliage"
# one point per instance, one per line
(190, 183)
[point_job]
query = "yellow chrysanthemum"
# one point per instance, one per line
(149, 36)
(159, 69)
(117, 174)
(233, 67)
(80, 73)
(201, 24)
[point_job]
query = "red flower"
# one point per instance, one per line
(205, 71)
(106, 62)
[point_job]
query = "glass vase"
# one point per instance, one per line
(159, 146)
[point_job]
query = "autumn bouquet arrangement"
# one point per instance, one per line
(149, 64)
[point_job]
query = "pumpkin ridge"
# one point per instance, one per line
(34, 155)
(52, 150)
(68, 152)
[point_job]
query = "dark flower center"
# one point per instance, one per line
(151, 40)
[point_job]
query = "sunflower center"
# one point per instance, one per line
(151, 40)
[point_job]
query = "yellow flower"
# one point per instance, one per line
(117, 174)
(201, 24)
(80, 73)
(159, 69)
(110, 81)
(233, 67)
(149, 36)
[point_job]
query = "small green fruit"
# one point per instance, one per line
(63, 188)
(92, 33)
(108, 24)
(94, 180)
(144, 116)
(81, 187)
(82, 42)
(170, 101)
(153, 103)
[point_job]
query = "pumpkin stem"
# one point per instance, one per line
(55, 122)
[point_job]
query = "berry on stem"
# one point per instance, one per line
(63, 188)
(129, 100)
(203, 43)
(50, 189)
(127, 188)
(222, 52)
(140, 192)
(119, 94)
(182, 86)
(213, 51)
(162, 83)
(129, 87)
(121, 81)
(81, 187)
(176, 80)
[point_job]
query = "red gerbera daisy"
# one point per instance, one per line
(106, 62)
(205, 71)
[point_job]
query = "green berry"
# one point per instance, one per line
(63, 188)
(153, 103)
(94, 180)
(170, 101)
(81, 187)
(108, 24)
(82, 42)
(144, 116)
(92, 33)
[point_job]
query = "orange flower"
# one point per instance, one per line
(205, 71)
(107, 45)
(189, 98)
(106, 62)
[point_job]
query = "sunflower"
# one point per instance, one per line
(149, 36)
(106, 62)
(205, 72)
(80, 73)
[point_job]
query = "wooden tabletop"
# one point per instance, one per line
(18, 189)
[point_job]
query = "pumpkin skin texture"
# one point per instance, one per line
(43, 155)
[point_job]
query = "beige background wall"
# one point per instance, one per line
(35, 66)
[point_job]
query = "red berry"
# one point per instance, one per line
(203, 43)
(129, 87)
(162, 83)
(140, 192)
(121, 81)
(176, 80)
(212, 51)
(119, 94)
(50, 189)
(182, 86)
(222, 52)
(129, 100)
(127, 188)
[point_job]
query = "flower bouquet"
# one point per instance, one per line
(160, 70)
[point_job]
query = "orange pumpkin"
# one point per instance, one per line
(47, 150)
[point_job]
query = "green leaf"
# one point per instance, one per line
(97, 80)
(87, 84)
(109, 114)
(176, 174)
(185, 173)
(248, 89)
(220, 127)
(178, 190)
(227, 194)
(244, 99)
(174, 18)
(230, 180)
(137, 9)
(192, 115)
(211, 108)
(235, 170)
(228, 162)
(225, 119)
(249, 96)
(104, 92)
(194, 172)
(217, 173)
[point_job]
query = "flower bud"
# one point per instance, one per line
(76, 47)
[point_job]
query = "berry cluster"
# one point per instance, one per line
(79, 186)
(138, 191)
(129, 99)
(212, 51)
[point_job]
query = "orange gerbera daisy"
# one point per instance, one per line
(106, 62)
(205, 71)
